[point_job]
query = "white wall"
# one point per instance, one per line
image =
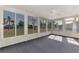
(17, 39)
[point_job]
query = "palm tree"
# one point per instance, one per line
(9, 19)
(12, 23)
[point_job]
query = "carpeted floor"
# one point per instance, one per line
(43, 45)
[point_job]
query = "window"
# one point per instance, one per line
(77, 24)
(42, 25)
(35, 24)
(9, 24)
(69, 24)
(49, 25)
(55, 24)
(19, 24)
(60, 25)
(32, 25)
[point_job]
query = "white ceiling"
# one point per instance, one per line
(51, 11)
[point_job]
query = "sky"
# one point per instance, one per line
(30, 20)
(12, 15)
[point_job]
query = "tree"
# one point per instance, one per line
(9, 19)
(12, 23)
(21, 24)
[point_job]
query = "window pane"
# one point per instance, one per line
(30, 25)
(69, 24)
(49, 25)
(55, 24)
(19, 24)
(42, 25)
(60, 25)
(35, 24)
(77, 24)
(9, 24)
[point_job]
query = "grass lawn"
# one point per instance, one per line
(42, 30)
(20, 32)
(49, 29)
(9, 33)
(30, 31)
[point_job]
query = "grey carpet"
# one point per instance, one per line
(42, 45)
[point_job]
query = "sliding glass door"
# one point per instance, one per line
(19, 24)
(9, 24)
(32, 25)
(55, 25)
(35, 24)
(77, 24)
(49, 25)
(42, 25)
(60, 25)
(69, 24)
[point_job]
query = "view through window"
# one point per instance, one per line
(9, 24)
(55, 24)
(19, 24)
(32, 25)
(69, 24)
(60, 25)
(42, 25)
(77, 24)
(50, 25)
